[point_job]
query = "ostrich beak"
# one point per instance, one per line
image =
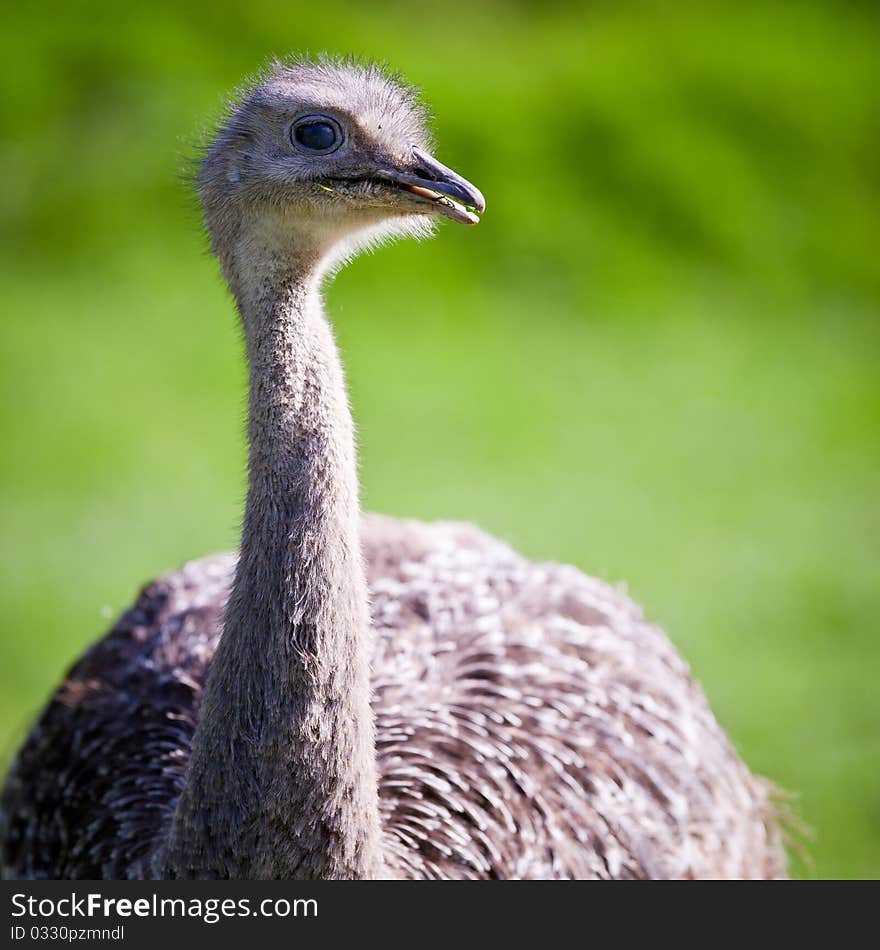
(455, 197)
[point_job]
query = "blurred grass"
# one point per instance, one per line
(657, 357)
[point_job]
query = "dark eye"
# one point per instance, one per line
(317, 134)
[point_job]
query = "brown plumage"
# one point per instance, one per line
(479, 716)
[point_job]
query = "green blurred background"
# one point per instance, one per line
(656, 358)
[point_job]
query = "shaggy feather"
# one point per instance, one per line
(529, 724)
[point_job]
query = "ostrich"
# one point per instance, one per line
(357, 697)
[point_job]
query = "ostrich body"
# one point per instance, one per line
(357, 697)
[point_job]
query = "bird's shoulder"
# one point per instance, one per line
(443, 586)
(435, 587)
(439, 591)
(107, 754)
(528, 716)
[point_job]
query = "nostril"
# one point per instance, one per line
(422, 168)
(425, 166)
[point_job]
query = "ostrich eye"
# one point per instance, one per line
(317, 134)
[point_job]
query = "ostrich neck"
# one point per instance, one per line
(282, 780)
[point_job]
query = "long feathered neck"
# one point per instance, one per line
(282, 779)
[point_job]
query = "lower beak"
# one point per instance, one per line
(454, 196)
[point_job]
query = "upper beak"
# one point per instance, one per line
(455, 196)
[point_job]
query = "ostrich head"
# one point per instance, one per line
(318, 159)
